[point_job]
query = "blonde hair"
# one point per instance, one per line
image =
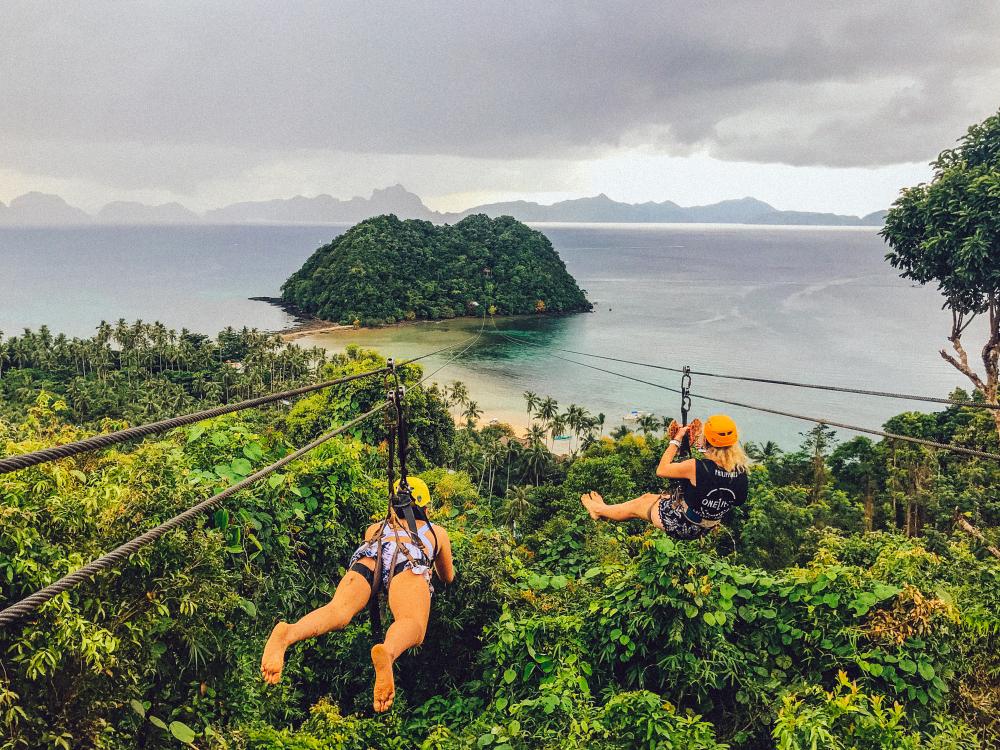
(731, 458)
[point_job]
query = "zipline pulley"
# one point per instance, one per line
(685, 448)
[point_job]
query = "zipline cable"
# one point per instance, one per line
(792, 415)
(771, 381)
(24, 460)
(472, 341)
(31, 603)
(104, 562)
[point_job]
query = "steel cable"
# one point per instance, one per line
(106, 561)
(96, 442)
(34, 601)
(792, 415)
(771, 381)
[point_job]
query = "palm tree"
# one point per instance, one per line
(575, 417)
(599, 422)
(621, 431)
(762, 452)
(517, 506)
(535, 434)
(536, 456)
(556, 427)
(459, 393)
(472, 413)
(648, 424)
(532, 398)
(548, 409)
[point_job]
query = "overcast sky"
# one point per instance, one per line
(812, 106)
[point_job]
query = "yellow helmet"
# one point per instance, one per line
(418, 489)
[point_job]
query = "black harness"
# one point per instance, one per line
(400, 505)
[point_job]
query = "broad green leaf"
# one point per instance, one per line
(926, 670)
(241, 467)
(182, 732)
(157, 722)
(138, 707)
(885, 591)
(509, 676)
(253, 452)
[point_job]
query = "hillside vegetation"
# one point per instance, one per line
(837, 609)
(385, 270)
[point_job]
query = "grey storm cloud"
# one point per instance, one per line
(203, 87)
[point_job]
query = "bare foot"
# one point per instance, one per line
(385, 687)
(592, 501)
(273, 660)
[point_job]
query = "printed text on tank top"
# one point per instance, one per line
(714, 492)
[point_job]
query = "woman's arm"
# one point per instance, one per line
(667, 469)
(444, 564)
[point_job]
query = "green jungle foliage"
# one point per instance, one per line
(837, 609)
(384, 270)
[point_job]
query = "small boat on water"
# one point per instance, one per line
(635, 415)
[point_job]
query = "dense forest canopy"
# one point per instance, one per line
(836, 609)
(385, 270)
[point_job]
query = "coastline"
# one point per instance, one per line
(308, 325)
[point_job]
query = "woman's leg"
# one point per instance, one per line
(410, 602)
(639, 508)
(350, 598)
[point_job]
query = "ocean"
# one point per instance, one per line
(814, 304)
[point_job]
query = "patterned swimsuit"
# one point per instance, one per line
(398, 548)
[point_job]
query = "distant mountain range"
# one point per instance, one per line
(40, 209)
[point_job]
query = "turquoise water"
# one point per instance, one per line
(813, 304)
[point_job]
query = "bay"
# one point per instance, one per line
(796, 303)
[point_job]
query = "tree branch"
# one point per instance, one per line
(959, 328)
(972, 531)
(962, 364)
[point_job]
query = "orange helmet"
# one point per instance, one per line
(720, 431)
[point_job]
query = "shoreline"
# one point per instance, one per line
(308, 325)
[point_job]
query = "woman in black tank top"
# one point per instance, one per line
(706, 488)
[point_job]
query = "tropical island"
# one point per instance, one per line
(385, 270)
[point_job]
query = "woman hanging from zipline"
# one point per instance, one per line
(406, 561)
(707, 488)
